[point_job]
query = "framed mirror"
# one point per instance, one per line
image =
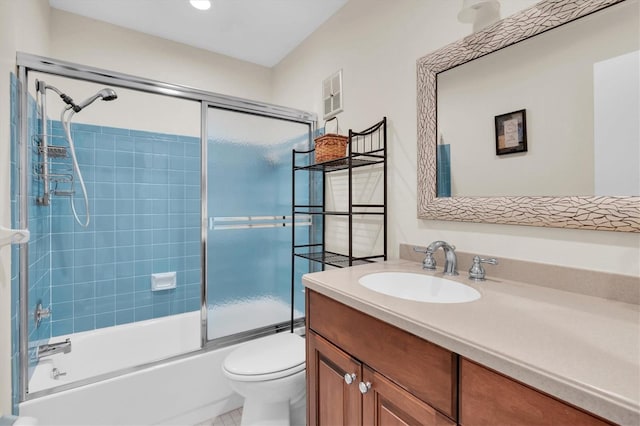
(511, 131)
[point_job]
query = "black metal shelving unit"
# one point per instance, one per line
(367, 148)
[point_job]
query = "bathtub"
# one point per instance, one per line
(105, 350)
(186, 390)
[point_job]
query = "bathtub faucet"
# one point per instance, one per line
(54, 348)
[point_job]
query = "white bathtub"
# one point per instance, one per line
(185, 391)
(111, 349)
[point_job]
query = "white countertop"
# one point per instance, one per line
(581, 349)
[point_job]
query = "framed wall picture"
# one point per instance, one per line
(511, 132)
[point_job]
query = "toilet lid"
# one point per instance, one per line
(278, 353)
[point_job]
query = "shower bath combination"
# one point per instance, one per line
(90, 273)
(47, 151)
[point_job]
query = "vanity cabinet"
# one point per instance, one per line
(411, 381)
(336, 401)
(489, 398)
(385, 383)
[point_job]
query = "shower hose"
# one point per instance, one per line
(66, 124)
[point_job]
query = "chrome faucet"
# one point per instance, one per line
(476, 272)
(450, 259)
(54, 348)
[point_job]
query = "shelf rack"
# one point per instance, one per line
(53, 168)
(365, 148)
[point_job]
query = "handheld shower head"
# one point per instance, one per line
(106, 94)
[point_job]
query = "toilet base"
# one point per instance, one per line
(259, 413)
(298, 411)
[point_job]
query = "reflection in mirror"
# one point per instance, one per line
(579, 86)
(596, 212)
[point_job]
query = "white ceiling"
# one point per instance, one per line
(258, 31)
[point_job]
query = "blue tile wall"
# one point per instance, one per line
(144, 201)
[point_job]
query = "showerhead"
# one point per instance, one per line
(106, 94)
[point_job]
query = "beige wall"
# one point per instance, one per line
(24, 26)
(377, 43)
(89, 42)
(86, 41)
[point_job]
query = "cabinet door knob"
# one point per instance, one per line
(364, 387)
(349, 378)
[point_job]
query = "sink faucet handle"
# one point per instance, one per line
(429, 262)
(477, 272)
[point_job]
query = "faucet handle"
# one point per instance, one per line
(476, 272)
(429, 262)
(41, 313)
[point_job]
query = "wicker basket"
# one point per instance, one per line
(331, 146)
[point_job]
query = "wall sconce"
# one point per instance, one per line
(201, 4)
(481, 13)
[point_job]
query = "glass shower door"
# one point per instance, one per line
(249, 189)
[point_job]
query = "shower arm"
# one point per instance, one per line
(41, 87)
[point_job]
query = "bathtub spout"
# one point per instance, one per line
(54, 348)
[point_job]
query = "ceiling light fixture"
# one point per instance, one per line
(200, 4)
(481, 13)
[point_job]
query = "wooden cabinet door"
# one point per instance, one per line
(331, 401)
(488, 398)
(387, 404)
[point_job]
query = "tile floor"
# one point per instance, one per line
(232, 418)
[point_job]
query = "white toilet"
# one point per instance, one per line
(270, 374)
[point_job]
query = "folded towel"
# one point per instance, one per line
(443, 166)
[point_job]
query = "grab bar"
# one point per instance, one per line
(252, 222)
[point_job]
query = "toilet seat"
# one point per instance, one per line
(270, 358)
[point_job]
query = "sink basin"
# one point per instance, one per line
(419, 287)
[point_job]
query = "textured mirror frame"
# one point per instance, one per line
(619, 213)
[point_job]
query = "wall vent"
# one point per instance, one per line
(332, 98)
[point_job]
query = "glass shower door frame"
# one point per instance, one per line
(25, 63)
(243, 336)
